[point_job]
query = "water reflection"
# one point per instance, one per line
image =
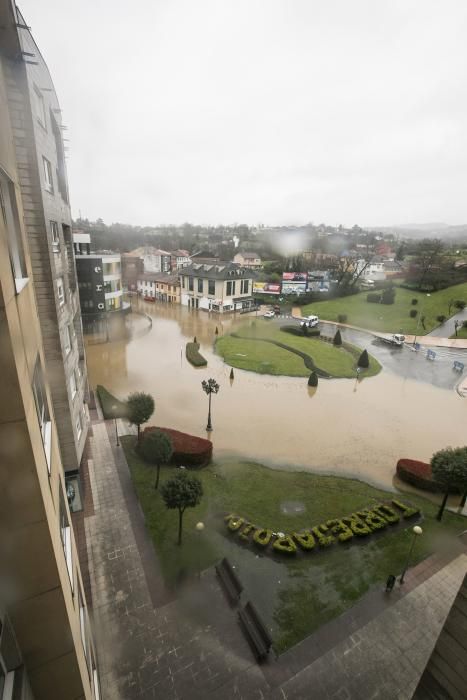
(359, 428)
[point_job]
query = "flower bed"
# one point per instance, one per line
(194, 356)
(417, 474)
(361, 524)
(188, 450)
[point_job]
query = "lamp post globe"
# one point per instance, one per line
(417, 531)
(199, 526)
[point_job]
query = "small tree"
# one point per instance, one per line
(313, 379)
(157, 449)
(449, 468)
(413, 313)
(140, 409)
(414, 302)
(342, 318)
(388, 296)
(441, 318)
(337, 340)
(363, 360)
(182, 492)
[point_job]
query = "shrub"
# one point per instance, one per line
(235, 523)
(337, 340)
(357, 525)
(414, 302)
(388, 296)
(305, 540)
(342, 318)
(246, 531)
(285, 544)
(313, 379)
(407, 511)
(262, 537)
(156, 449)
(441, 318)
(363, 360)
(464, 324)
(107, 401)
(320, 533)
(459, 304)
(413, 313)
(194, 356)
(374, 298)
(140, 409)
(339, 528)
(417, 474)
(297, 330)
(387, 513)
(188, 450)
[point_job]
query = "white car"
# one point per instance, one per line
(309, 321)
(269, 314)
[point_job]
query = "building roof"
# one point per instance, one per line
(250, 256)
(160, 277)
(146, 250)
(180, 253)
(216, 271)
(205, 254)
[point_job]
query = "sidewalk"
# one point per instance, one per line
(152, 645)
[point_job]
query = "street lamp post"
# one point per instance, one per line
(114, 411)
(417, 531)
(210, 387)
(199, 528)
(418, 321)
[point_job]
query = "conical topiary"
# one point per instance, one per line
(216, 331)
(337, 338)
(363, 360)
(313, 379)
(231, 373)
(194, 340)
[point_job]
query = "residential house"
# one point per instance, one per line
(252, 261)
(223, 287)
(159, 287)
(154, 259)
(179, 259)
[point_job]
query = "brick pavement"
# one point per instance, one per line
(190, 648)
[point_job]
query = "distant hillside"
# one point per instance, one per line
(431, 230)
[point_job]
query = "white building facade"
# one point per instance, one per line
(222, 288)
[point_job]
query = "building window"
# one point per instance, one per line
(65, 534)
(49, 183)
(66, 340)
(79, 426)
(244, 286)
(183, 283)
(72, 381)
(211, 287)
(60, 291)
(200, 285)
(42, 409)
(82, 620)
(190, 284)
(95, 681)
(230, 288)
(55, 236)
(9, 214)
(40, 107)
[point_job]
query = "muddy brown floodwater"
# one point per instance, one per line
(357, 429)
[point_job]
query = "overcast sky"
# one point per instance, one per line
(249, 111)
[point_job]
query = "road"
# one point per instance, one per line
(403, 361)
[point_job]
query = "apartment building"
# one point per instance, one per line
(179, 259)
(35, 116)
(99, 278)
(223, 287)
(46, 646)
(248, 259)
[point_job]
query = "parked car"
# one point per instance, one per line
(269, 314)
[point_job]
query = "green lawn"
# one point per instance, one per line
(251, 353)
(393, 318)
(461, 333)
(320, 584)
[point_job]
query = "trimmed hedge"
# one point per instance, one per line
(419, 474)
(188, 450)
(107, 400)
(361, 524)
(297, 330)
(373, 298)
(342, 318)
(194, 356)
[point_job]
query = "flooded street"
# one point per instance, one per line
(345, 428)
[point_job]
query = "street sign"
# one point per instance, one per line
(430, 355)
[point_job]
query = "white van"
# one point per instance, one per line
(309, 321)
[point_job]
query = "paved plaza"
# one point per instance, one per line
(152, 645)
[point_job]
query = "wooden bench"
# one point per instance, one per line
(256, 632)
(229, 579)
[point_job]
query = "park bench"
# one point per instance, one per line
(458, 366)
(256, 632)
(229, 579)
